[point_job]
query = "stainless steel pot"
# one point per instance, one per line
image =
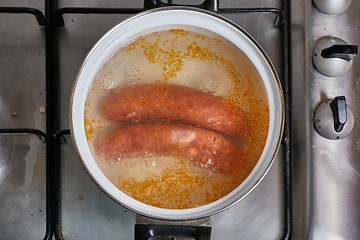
(164, 19)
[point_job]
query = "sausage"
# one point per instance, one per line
(157, 101)
(205, 147)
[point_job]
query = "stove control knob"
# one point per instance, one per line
(333, 57)
(332, 6)
(334, 119)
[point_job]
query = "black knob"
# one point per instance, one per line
(346, 52)
(338, 107)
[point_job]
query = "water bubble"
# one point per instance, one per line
(118, 159)
(135, 119)
(108, 81)
(136, 75)
(211, 87)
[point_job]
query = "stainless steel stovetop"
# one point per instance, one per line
(325, 180)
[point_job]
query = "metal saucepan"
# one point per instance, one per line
(174, 18)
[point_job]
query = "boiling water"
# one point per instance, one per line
(199, 60)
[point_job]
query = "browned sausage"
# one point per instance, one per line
(175, 103)
(206, 147)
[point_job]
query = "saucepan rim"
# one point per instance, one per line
(170, 17)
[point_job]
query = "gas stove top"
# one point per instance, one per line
(311, 190)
